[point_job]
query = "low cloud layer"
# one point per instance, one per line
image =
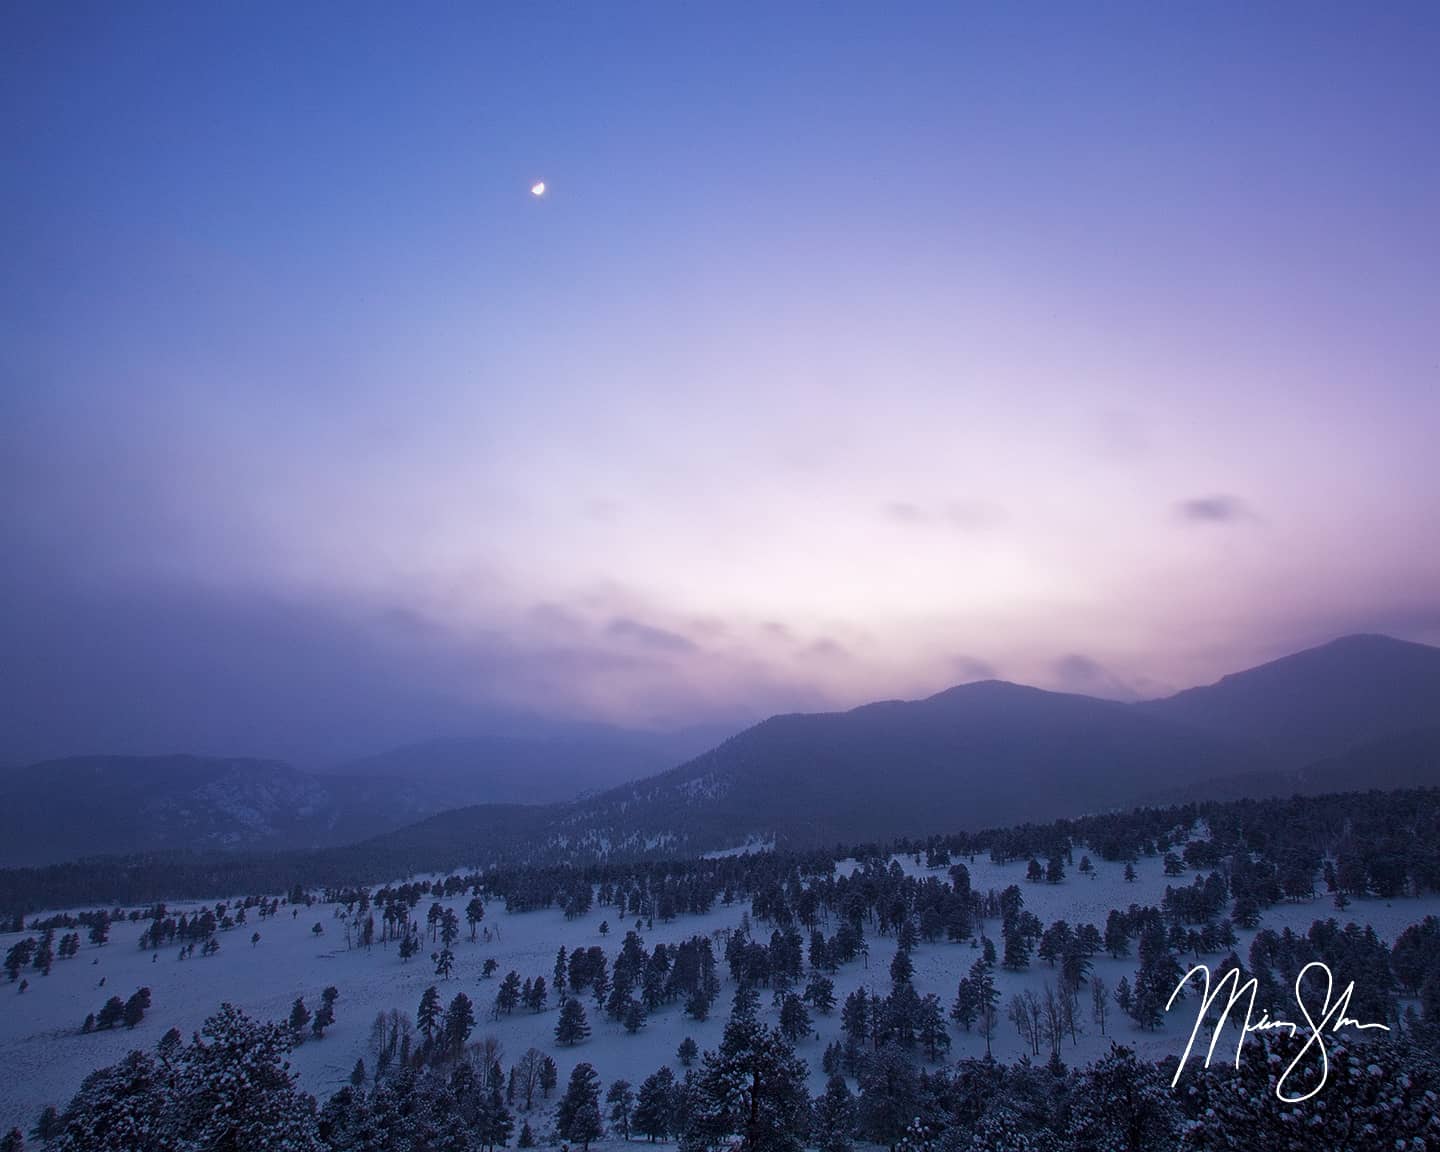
(1212, 510)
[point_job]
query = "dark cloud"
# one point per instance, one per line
(648, 636)
(969, 668)
(777, 631)
(1211, 510)
(903, 512)
(1077, 672)
(827, 649)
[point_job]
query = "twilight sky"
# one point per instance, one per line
(854, 351)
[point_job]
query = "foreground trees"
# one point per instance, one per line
(230, 1088)
(752, 1087)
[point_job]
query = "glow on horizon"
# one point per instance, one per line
(862, 355)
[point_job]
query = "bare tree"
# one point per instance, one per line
(986, 1021)
(1052, 1024)
(529, 1071)
(1070, 1013)
(1099, 1002)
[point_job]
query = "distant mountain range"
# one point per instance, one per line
(104, 805)
(1360, 712)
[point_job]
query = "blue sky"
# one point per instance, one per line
(854, 350)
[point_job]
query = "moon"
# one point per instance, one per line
(538, 188)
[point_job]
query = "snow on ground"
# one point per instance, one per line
(45, 1055)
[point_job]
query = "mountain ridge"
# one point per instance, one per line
(984, 753)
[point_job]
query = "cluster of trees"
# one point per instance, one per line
(302, 1019)
(116, 1011)
(232, 1088)
(39, 953)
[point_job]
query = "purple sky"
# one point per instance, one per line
(854, 351)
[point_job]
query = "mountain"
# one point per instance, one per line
(1345, 715)
(88, 805)
(1361, 711)
(980, 754)
(115, 805)
(1317, 703)
(536, 766)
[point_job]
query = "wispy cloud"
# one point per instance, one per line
(1212, 510)
(649, 636)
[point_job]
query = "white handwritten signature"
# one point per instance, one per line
(1333, 1016)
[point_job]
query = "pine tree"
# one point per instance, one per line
(578, 1116)
(459, 1022)
(136, 1007)
(655, 1105)
(47, 1126)
(494, 1122)
(794, 1019)
(508, 995)
(299, 1017)
(889, 1095)
(621, 1100)
(112, 1012)
(834, 1117)
(752, 1086)
(428, 1015)
(930, 1028)
(634, 1018)
(572, 1027)
(687, 1052)
(325, 1014)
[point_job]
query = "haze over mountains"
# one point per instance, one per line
(1362, 711)
(92, 805)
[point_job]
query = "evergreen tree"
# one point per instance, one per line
(634, 1018)
(655, 1105)
(459, 1023)
(325, 1014)
(428, 1015)
(577, 1118)
(687, 1052)
(572, 1027)
(494, 1122)
(508, 995)
(794, 1019)
(621, 1100)
(834, 1112)
(48, 1126)
(112, 1012)
(930, 1028)
(820, 994)
(135, 1007)
(889, 1095)
(752, 1087)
